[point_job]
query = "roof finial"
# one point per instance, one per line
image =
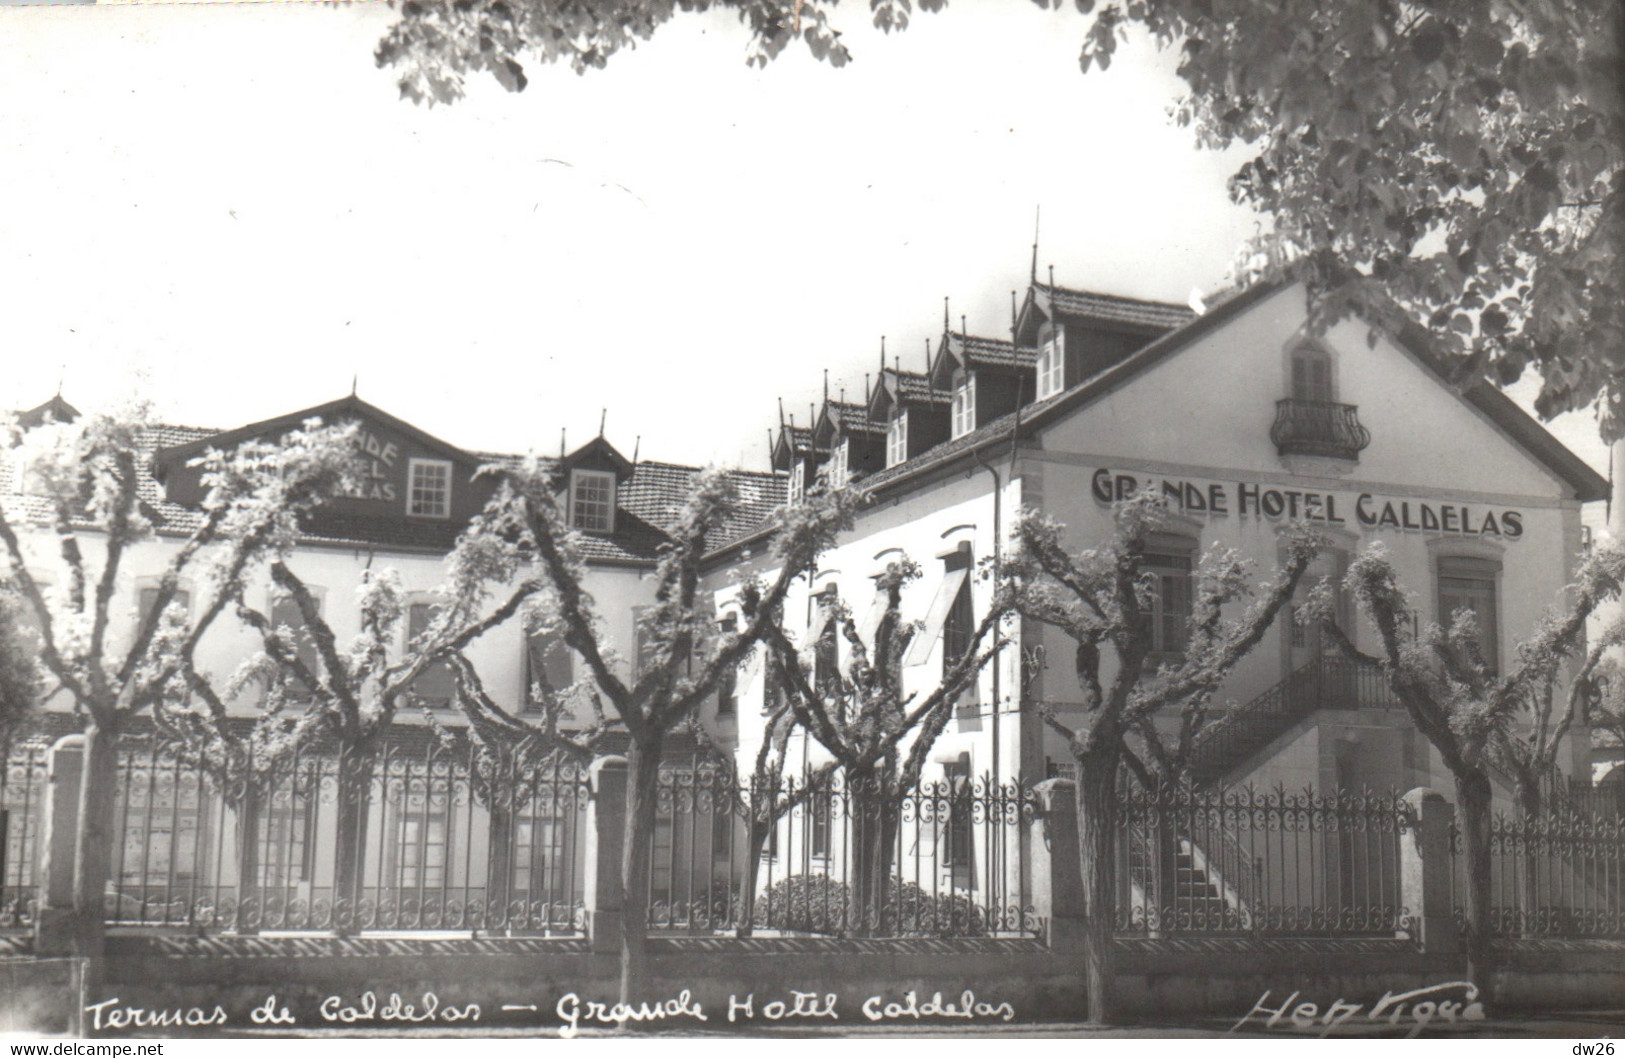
(355, 380)
(945, 324)
(781, 414)
(826, 385)
(1012, 313)
(1052, 275)
(1037, 213)
(603, 414)
(61, 374)
(962, 328)
(561, 442)
(866, 389)
(637, 444)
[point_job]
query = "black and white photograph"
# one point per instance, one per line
(741, 519)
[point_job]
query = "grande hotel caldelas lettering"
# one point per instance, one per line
(1255, 499)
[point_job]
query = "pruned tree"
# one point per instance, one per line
(86, 474)
(863, 717)
(673, 677)
(1102, 599)
(511, 753)
(1476, 718)
(356, 691)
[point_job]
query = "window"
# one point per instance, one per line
(1311, 375)
(798, 481)
(644, 657)
(836, 472)
(147, 598)
(548, 668)
(960, 623)
(1170, 603)
(964, 405)
(954, 586)
(818, 824)
(728, 678)
(897, 439)
(290, 825)
(425, 835)
(285, 614)
(592, 501)
(826, 648)
(1469, 584)
(1052, 364)
(428, 488)
(434, 685)
(959, 854)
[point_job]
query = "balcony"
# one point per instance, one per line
(1318, 428)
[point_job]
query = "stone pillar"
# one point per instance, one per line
(606, 816)
(1424, 872)
(54, 923)
(1056, 873)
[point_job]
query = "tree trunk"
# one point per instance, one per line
(1533, 894)
(354, 789)
(1473, 795)
(499, 869)
(1097, 856)
(874, 833)
(756, 840)
(643, 777)
(98, 792)
(250, 901)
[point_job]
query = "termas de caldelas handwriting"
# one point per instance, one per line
(388, 1011)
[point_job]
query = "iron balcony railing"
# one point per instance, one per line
(1318, 428)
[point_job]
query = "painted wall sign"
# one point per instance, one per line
(380, 471)
(1256, 500)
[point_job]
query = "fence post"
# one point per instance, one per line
(1057, 876)
(605, 831)
(1424, 871)
(54, 923)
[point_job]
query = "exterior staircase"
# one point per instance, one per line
(1325, 683)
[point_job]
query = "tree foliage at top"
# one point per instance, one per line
(1462, 158)
(1457, 162)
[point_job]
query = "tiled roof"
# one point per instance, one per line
(912, 387)
(650, 502)
(989, 352)
(854, 418)
(1111, 308)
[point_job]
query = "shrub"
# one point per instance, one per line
(817, 903)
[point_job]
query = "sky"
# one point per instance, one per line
(228, 210)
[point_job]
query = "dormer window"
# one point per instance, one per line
(836, 470)
(798, 481)
(428, 488)
(897, 439)
(964, 406)
(592, 501)
(1052, 364)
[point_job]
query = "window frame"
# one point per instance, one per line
(798, 480)
(413, 466)
(964, 405)
(837, 469)
(581, 477)
(1163, 555)
(897, 438)
(1306, 354)
(1051, 366)
(1480, 574)
(436, 670)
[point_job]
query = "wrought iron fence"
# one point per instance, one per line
(22, 798)
(842, 857)
(1259, 862)
(420, 838)
(1559, 875)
